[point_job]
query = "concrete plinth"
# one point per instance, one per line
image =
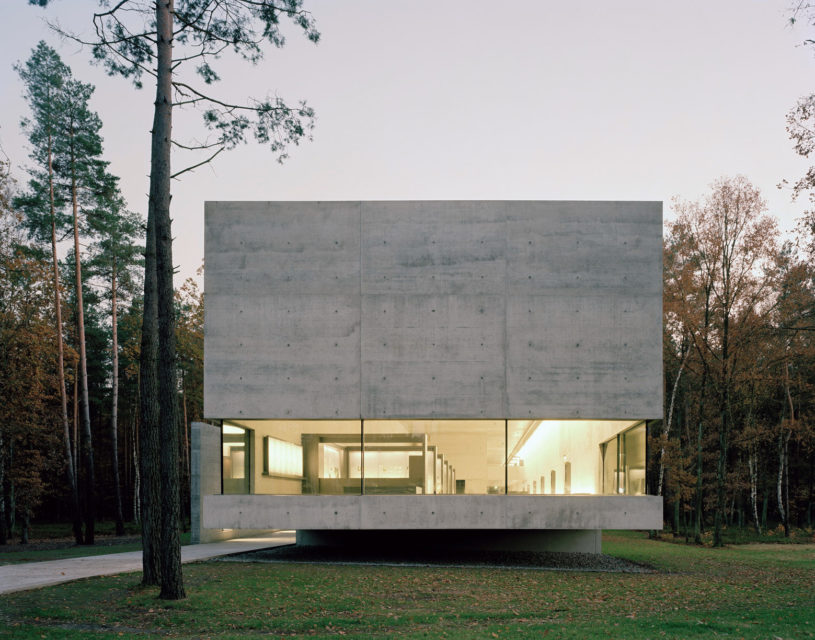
(439, 513)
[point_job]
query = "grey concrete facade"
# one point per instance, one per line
(433, 512)
(449, 309)
(205, 474)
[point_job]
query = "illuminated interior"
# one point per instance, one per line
(423, 457)
(236, 467)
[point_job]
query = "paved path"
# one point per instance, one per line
(30, 575)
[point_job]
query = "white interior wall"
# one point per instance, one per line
(553, 443)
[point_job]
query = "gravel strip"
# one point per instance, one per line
(551, 561)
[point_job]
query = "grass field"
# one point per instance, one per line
(752, 591)
(62, 530)
(76, 551)
(54, 542)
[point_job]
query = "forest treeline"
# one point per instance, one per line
(177, 45)
(71, 282)
(737, 443)
(33, 474)
(736, 446)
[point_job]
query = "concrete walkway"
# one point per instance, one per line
(30, 575)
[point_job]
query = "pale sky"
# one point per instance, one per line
(467, 99)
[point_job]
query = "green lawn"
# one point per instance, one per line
(31, 553)
(40, 555)
(756, 591)
(62, 530)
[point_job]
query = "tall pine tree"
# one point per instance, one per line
(116, 259)
(44, 76)
(68, 182)
(162, 39)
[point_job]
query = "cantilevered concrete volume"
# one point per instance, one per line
(477, 369)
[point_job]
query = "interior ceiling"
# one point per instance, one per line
(518, 430)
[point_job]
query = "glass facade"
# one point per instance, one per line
(624, 462)
(294, 457)
(236, 468)
(422, 457)
(562, 457)
(434, 456)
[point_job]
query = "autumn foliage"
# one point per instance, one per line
(736, 446)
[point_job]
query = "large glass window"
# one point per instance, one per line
(624, 462)
(426, 457)
(306, 456)
(562, 457)
(434, 456)
(236, 461)
(612, 474)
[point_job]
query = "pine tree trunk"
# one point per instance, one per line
(10, 504)
(114, 417)
(125, 470)
(70, 467)
(172, 587)
(677, 505)
(87, 440)
(150, 487)
(188, 471)
(76, 418)
(185, 459)
(136, 476)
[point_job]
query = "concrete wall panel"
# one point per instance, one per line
(432, 355)
(275, 247)
(282, 356)
(282, 310)
(583, 247)
(583, 356)
(584, 309)
(433, 248)
(433, 310)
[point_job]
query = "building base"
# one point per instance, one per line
(572, 540)
(206, 479)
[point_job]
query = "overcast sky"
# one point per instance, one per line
(467, 99)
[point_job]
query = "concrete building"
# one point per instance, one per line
(458, 372)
